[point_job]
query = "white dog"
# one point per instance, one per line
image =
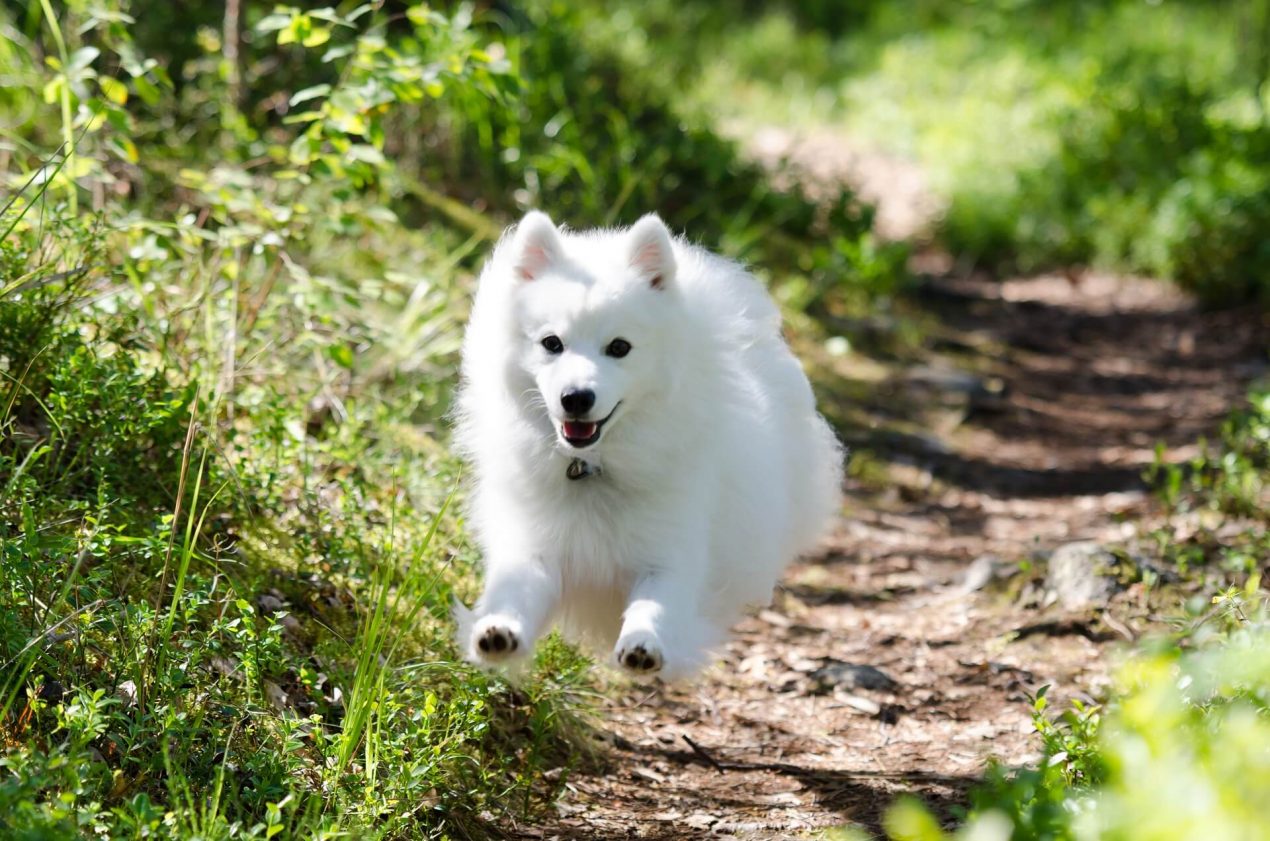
(646, 448)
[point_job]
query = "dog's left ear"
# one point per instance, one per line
(536, 247)
(651, 252)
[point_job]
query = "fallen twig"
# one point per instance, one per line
(701, 752)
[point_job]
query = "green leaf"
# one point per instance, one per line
(302, 117)
(52, 89)
(118, 119)
(309, 93)
(146, 90)
(274, 22)
(348, 122)
(908, 820)
(114, 90)
(419, 15)
(337, 52)
(341, 355)
(301, 151)
(366, 154)
(296, 30)
(327, 14)
(317, 36)
(125, 148)
(83, 57)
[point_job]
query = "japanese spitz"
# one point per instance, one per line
(646, 449)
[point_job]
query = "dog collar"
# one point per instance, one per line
(579, 469)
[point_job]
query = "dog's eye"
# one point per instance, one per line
(618, 348)
(553, 344)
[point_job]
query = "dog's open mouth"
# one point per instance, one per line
(581, 434)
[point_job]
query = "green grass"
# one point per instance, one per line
(1218, 501)
(212, 620)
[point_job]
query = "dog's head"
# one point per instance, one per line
(595, 316)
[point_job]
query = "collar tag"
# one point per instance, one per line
(579, 469)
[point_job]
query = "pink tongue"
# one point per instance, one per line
(580, 430)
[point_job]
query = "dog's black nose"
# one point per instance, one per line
(578, 401)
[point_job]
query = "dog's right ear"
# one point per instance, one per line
(536, 246)
(651, 253)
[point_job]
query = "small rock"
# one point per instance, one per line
(743, 829)
(1076, 575)
(755, 666)
(701, 820)
(979, 574)
(838, 675)
(276, 696)
(771, 617)
(864, 705)
(798, 663)
(225, 666)
(270, 602)
(648, 774)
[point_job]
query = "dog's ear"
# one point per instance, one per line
(536, 246)
(651, 252)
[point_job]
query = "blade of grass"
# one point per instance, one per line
(18, 194)
(186, 449)
(68, 136)
(372, 663)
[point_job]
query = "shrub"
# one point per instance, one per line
(1153, 174)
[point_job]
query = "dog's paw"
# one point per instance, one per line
(496, 638)
(639, 653)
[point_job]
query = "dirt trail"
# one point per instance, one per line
(901, 657)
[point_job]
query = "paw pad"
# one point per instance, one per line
(497, 641)
(640, 659)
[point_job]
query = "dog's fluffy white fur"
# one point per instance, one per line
(707, 467)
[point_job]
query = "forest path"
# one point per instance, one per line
(903, 656)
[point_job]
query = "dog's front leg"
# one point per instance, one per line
(519, 598)
(662, 627)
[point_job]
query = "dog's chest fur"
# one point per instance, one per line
(596, 527)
